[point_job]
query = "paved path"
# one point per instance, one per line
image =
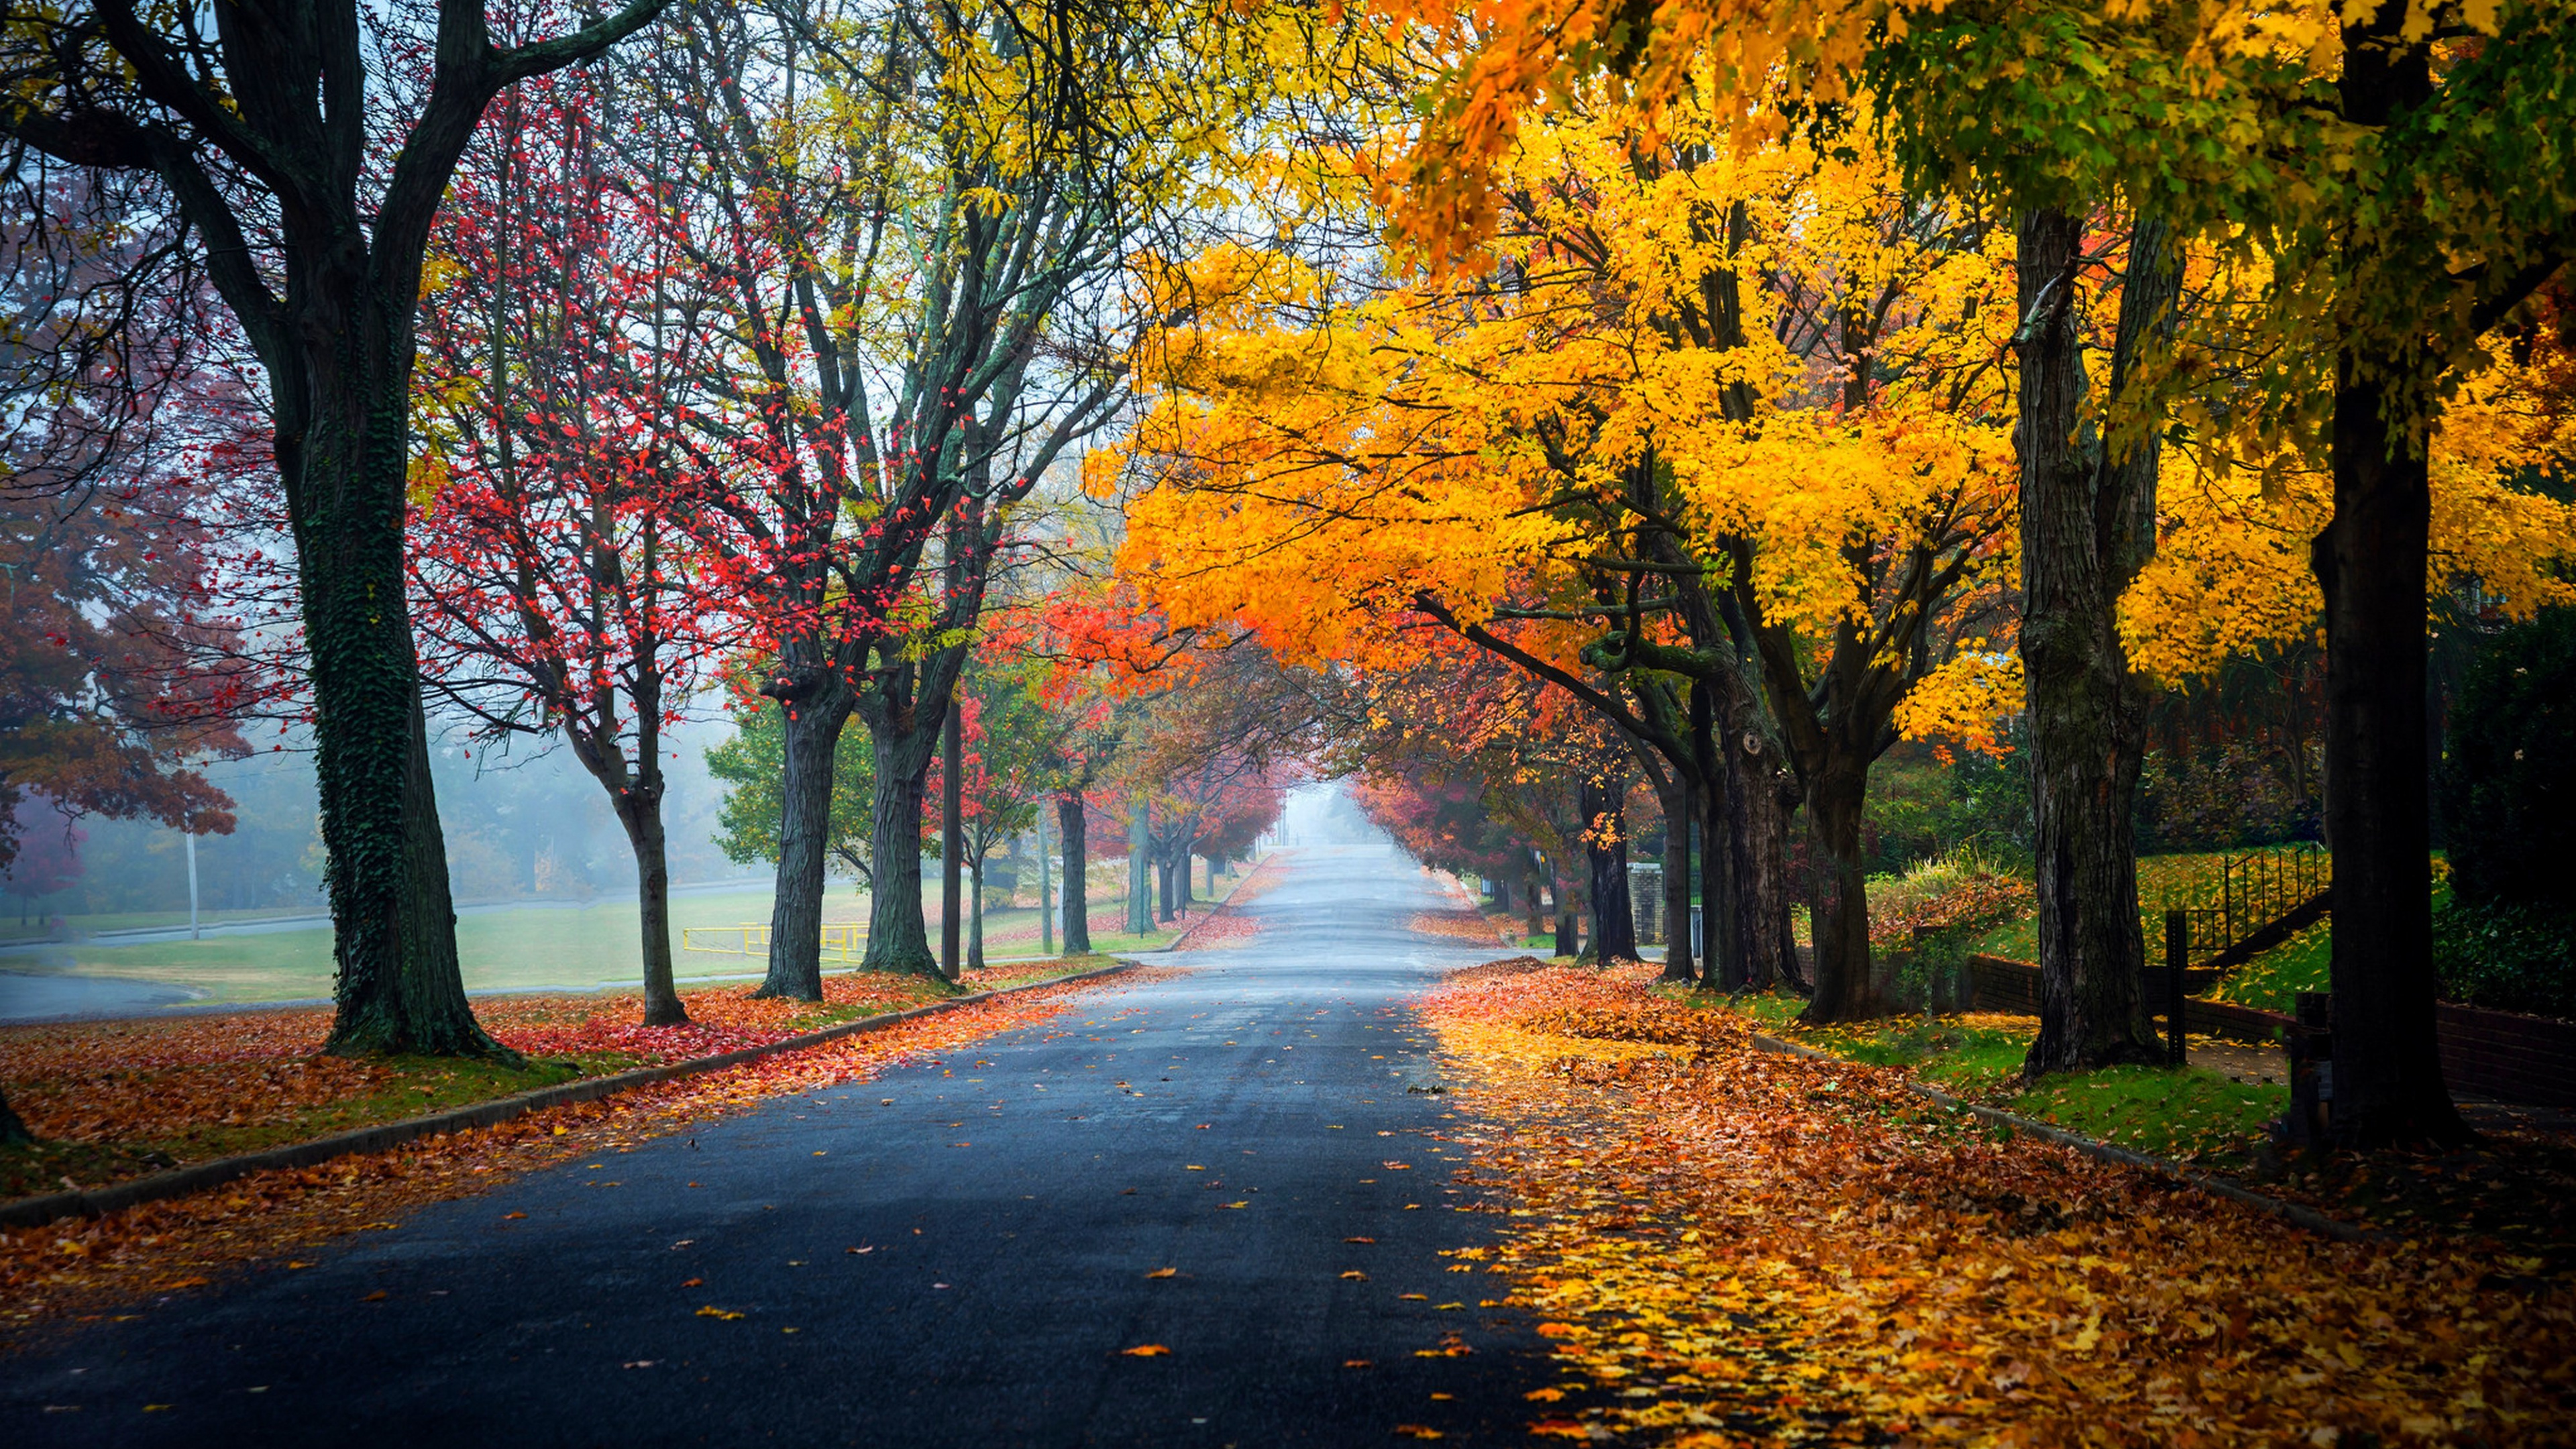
(1012, 1199)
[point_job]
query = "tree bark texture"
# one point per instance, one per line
(975, 918)
(1759, 797)
(1841, 976)
(640, 811)
(1679, 813)
(2087, 526)
(898, 938)
(1077, 884)
(812, 731)
(2370, 561)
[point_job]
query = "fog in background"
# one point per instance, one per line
(529, 824)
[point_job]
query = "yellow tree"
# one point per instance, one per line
(1567, 458)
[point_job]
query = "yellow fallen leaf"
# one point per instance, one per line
(1418, 1431)
(1162, 1272)
(712, 1311)
(1355, 1273)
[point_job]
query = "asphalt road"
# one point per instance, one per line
(1241, 1125)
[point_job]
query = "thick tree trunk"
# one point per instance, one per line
(13, 1128)
(1842, 987)
(1679, 801)
(1140, 885)
(1077, 884)
(2388, 1086)
(639, 810)
(2083, 539)
(1721, 964)
(1758, 820)
(952, 833)
(813, 731)
(1614, 925)
(898, 934)
(1163, 890)
(400, 987)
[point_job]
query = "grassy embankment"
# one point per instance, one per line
(536, 946)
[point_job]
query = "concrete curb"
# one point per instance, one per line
(2288, 1212)
(30, 1212)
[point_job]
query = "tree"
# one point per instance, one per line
(313, 201)
(2404, 170)
(1612, 433)
(555, 580)
(751, 765)
(1009, 736)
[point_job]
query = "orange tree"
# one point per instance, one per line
(2401, 164)
(1614, 463)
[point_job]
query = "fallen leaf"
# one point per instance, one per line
(1355, 1273)
(1359, 1240)
(507, 1216)
(694, 1283)
(712, 1311)
(1163, 1273)
(1145, 1350)
(1418, 1431)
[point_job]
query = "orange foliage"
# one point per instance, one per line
(1797, 1251)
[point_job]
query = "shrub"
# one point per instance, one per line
(2508, 778)
(2506, 958)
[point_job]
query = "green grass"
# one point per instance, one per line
(2193, 1114)
(523, 948)
(13, 929)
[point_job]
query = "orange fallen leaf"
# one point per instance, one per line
(1359, 1240)
(507, 1216)
(1145, 1350)
(712, 1311)
(1418, 1431)
(378, 1296)
(1357, 1363)
(694, 1283)
(1163, 1273)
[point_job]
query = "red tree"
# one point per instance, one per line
(558, 580)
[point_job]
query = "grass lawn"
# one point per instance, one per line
(531, 947)
(116, 1099)
(2192, 1115)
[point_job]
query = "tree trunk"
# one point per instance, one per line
(975, 918)
(2388, 1086)
(1678, 801)
(1077, 860)
(13, 1128)
(639, 809)
(1140, 885)
(1758, 821)
(1569, 934)
(2081, 532)
(812, 732)
(1722, 961)
(1842, 987)
(1533, 917)
(952, 832)
(898, 936)
(400, 987)
(1163, 890)
(1614, 922)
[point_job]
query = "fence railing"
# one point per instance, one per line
(2247, 893)
(845, 943)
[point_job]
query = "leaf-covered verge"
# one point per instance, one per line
(80, 1269)
(1727, 1244)
(110, 1100)
(2504, 1191)
(2195, 1115)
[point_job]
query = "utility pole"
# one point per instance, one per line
(952, 842)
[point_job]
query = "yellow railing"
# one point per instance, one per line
(845, 941)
